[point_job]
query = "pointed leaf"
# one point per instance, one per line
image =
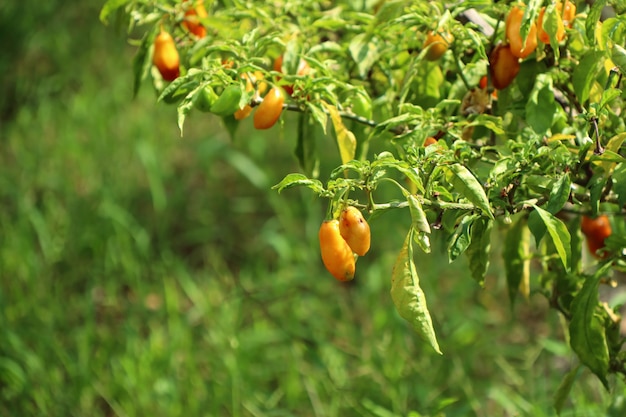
(318, 115)
(541, 106)
(619, 181)
(559, 234)
(184, 108)
(461, 238)
(478, 251)
(142, 61)
(408, 297)
(419, 223)
(516, 257)
(593, 17)
(293, 180)
(364, 52)
(231, 124)
(345, 139)
(469, 187)
(564, 389)
(585, 74)
(587, 335)
(559, 194)
(614, 145)
(305, 146)
(109, 7)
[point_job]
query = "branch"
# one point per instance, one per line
(398, 130)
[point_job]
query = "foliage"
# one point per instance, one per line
(531, 162)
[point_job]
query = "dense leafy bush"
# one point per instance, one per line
(531, 158)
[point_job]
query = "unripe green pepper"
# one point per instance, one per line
(228, 102)
(205, 99)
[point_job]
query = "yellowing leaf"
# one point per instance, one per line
(345, 139)
(560, 137)
(615, 143)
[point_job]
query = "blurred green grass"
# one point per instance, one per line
(144, 274)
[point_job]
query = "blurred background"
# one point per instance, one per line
(145, 274)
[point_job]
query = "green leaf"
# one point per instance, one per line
(593, 17)
(559, 234)
(231, 124)
(614, 145)
(477, 42)
(178, 89)
(292, 180)
(585, 74)
(576, 243)
(587, 334)
(618, 56)
(305, 146)
(109, 7)
(408, 297)
(184, 108)
(596, 186)
(427, 79)
(411, 173)
(345, 139)
(541, 106)
(551, 26)
(142, 61)
(480, 246)
(516, 258)
(559, 194)
(318, 115)
(468, 186)
(564, 389)
(619, 181)
(609, 95)
(488, 121)
(613, 34)
(461, 238)
(364, 51)
(419, 223)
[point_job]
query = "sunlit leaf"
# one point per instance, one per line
(408, 296)
(559, 234)
(345, 139)
(619, 187)
(292, 180)
(364, 52)
(419, 223)
(593, 17)
(585, 74)
(468, 186)
(614, 145)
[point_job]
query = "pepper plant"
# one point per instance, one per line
(528, 160)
